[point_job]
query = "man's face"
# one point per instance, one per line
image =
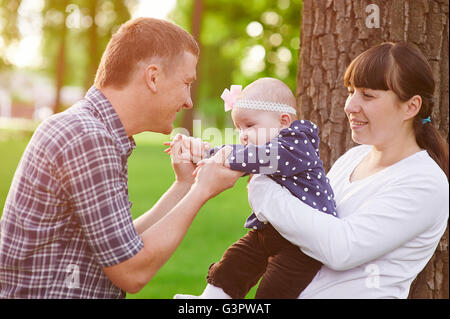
(174, 91)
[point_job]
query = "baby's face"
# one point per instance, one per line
(256, 126)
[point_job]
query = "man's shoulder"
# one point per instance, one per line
(65, 128)
(80, 117)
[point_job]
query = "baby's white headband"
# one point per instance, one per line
(264, 105)
(230, 98)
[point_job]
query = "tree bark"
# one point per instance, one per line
(335, 32)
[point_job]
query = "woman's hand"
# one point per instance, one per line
(213, 177)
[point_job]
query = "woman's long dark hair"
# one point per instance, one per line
(403, 69)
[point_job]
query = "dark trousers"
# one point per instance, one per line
(284, 268)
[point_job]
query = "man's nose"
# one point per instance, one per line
(188, 104)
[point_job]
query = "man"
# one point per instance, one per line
(66, 229)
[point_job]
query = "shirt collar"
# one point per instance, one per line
(108, 115)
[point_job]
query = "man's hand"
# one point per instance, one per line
(219, 158)
(180, 158)
(185, 151)
(192, 149)
(212, 177)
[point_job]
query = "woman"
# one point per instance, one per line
(391, 192)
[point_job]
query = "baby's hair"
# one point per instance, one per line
(269, 90)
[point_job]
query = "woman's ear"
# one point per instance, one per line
(412, 106)
(151, 76)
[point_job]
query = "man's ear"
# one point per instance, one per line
(412, 106)
(285, 120)
(152, 72)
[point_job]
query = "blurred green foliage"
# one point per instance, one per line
(80, 29)
(226, 46)
(9, 30)
(240, 41)
(87, 29)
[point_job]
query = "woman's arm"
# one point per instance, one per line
(387, 220)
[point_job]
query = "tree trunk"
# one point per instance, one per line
(60, 64)
(188, 115)
(335, 32)
(93, 56)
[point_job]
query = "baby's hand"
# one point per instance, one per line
(219, 158)
(192, 149)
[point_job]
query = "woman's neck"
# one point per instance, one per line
(394, 151)
(384, 156)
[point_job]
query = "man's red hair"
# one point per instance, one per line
(138, 40)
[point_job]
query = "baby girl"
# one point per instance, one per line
(274, 143)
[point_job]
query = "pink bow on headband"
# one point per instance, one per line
(230, 96)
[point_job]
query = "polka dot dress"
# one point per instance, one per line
(292, 160)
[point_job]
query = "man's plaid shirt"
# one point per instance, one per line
(67, 213)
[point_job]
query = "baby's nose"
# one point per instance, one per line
(243, 137)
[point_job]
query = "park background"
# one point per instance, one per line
(50, 49)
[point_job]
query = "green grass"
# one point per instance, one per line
(11, 150)
(218, 224)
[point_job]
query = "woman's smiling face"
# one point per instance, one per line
(375, 116)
